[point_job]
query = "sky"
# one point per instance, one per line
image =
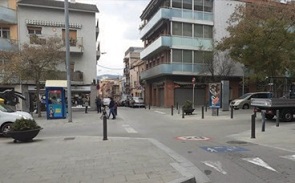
(119, 21)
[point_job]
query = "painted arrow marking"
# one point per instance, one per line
(291, 157)
(259, 162)
(216, 165)
(211, 149)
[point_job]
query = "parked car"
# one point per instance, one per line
(8, 116)
(244, 101)
(125, 100)
(106, 101)
(137, 102)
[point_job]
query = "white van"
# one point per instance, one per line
(8, 116)
(245, 100)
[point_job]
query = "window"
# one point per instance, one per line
(176, 55)
(208, 31)
(198, 30)
(187, 29)
(35, 30)
(177, 28)
(187, 4)
(187, 56)
(176, 3)
(208, 5)
(72, 36)
(4, 32)
(198, 5)
(198, 57)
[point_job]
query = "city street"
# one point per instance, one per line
(219, 146)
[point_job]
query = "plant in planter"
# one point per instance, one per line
(188, 107)
(24, 130)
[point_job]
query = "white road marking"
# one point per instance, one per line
(129, 129)
(291, 157)
(211, 150)
(216, 165)
(159, 112)
(259, 162)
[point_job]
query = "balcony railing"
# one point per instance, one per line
(164, 13)
(175, 69)
(7, 16)
(8, 44)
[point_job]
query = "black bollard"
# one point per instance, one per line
(182, 113)
(231, 112)
(149, 106)
(253, 126)
(217, 112)
(105, 133)
(202, 112)
(171, 110)
(278, 118)
(263, 121)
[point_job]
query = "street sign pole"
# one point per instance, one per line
(194, 81)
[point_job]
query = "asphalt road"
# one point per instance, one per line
(205, 142)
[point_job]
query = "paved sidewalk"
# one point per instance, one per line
(90, 159)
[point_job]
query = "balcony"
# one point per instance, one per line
(164, 13)
(8, 44)
(164, 42)
(7, 16)
(174, 69)
(76, 45)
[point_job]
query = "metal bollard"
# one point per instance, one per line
(253, 126)
(171, 110)
(105, 133)
(232, 112)
(217, 112)
(202, 112)
(278, 118)
(182, 113)
(263, 121)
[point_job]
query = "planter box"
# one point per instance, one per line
(24, 136)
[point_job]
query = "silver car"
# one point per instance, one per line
(137, 102)
(244, 101)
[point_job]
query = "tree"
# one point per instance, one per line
(35, 62)
(261, 36)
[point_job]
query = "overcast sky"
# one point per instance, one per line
(119, 21)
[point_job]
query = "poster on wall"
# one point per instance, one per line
(214, 95)
(55, 110)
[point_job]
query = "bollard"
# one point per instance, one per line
(255, 113)
(182, 113)
(206, 108)
(171, 110)
(217, 112)
(278, 118)
(105, 135)
(202, 112)
(231, 112)
(149, 106)
(253, 126)
(177, 105)
(263, 121)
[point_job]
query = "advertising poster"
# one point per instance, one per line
(214, 95)
(55, 110)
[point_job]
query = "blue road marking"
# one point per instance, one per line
(222, 149)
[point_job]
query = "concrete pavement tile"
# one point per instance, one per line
(137, 177)
(118, 178)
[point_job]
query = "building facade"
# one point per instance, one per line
(45, 19)
(179, 41)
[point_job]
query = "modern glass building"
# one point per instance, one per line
(178, 38)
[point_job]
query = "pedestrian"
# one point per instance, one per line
(86, 103)
(112, 108)
(98, 104)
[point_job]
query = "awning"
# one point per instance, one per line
(56, 83)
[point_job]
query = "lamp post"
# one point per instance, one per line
(194, 82)
(68, 61)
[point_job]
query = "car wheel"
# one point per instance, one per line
(287, 115)
(246, 106)
(5, 128)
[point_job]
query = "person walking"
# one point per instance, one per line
(98, 104)
(86, 103)
(112, 108)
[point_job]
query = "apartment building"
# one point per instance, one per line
(132, 71)
(178, 38)
(44, 19)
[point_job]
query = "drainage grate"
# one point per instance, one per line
(237, 142)
(69, 138)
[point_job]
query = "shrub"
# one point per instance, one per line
(24, 124)
(187, 105)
